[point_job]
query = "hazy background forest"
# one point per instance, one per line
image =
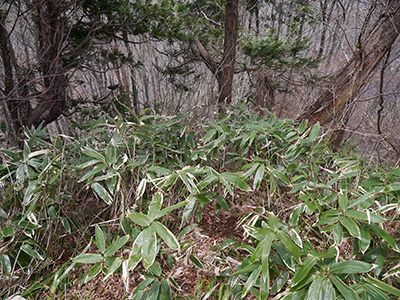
(143, 54)
(199, 149)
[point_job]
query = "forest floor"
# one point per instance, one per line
(203, 243)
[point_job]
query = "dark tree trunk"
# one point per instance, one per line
(53, 98)
(227, 66)
(355, 73)
(224, 70)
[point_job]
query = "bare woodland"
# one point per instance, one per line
(61, 61)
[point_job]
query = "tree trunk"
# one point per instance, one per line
(355, 73)
(224, 70)
(264, 92)
(53, 98)
(227, 66)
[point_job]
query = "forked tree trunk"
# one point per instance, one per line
(224, 70)
(355, 73)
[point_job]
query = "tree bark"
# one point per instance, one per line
(224, 70)
(264, 92)
(53, 98)
(227, 66)
(355, 73)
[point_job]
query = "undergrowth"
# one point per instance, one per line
(120, 198)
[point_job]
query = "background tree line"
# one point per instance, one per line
(326, 61)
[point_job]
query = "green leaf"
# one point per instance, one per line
(383, 286)
(138, 292)
(392, 187)
(206, 181)
(343, 202)
(155, 269)
(154, 291)
(160, 170)
(337, 233)
(251, 281)
(327, 220)
(166, 235)
(102, 192)
(202, 199)
(6, 264)
(247, 269)
(88, 163)
(165, 290)
(155, 206)
(89, 258)
(314, 132)
(140, 219)
(321, 288)
(186, 230)
(93, 154)
(149, 247)
(236, 181)
(365, 239)
(262, 232)
(273, 221)
(371, 292)
(293, 248)
(302, 127)
(194, 260)
(66, 224)
(93, 272)
(96, 169)
(258, 177)
(210, 133)
(351, 226)
(30, 251)
(251, 168)
(360, 199)
(350, 267)
(222, 202)
(114, 266)
(294, 217)
(384, 235)
(3, 214)
(136, 253)
(30, 191)
(363, 216)
(115, 246)
(264, 283)
(280, 282)
(285, 255)
(347, 292)
(8, 231)
(111, 154)
(188, 211)
(303, 271)
(100, 240)
(296, 238)
(263, 248)
(166, 210)
(141, 188)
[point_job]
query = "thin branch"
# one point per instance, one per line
(208, 60)
(211, 20)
